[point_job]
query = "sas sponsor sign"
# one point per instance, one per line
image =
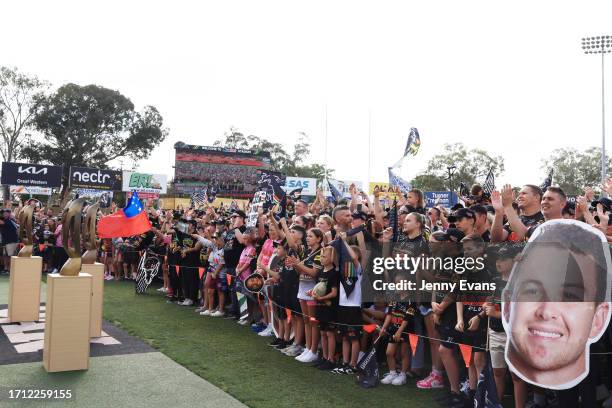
(25, 174)
(309, 185)
(98, 179)
(145, 182)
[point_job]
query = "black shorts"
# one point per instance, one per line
(326, 316)
(131, 256)
(350, 322)
(391, 330)
(449, 337)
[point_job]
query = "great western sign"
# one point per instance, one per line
(98, 179)
(25, 174)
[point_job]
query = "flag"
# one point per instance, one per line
(336, 195)
(399, 182)
(367, 368)
(296, 194)
(489, 185)
(270, 182)
(129, 221)
(463, 189)
(486, 391)
(394, 220)
(199, 198)
(414, 143)
(547, 181)
(211, 195)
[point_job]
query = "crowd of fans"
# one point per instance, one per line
(312, 307)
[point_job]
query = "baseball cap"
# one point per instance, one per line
(605, 202)
(238, 213)
(359, 214)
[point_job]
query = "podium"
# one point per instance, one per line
(24, 289)
(67, 324)
(96, 270)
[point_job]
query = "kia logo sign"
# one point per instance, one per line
(26, 174)
(31, 170)
(98, 179)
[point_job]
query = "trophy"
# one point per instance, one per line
(25, 231)
(71, 236)
(89, 234)
(26, 271)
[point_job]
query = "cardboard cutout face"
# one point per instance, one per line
(556, 305)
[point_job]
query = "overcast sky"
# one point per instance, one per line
(507, 77)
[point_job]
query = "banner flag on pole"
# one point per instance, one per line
(489, 184)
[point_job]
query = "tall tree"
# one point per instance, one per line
(574, 170)
(90, 126)
(19, 96)
(290, 164)
(471, 166)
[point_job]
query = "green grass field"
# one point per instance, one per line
(239, 362)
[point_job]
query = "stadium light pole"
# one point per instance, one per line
(601, 44)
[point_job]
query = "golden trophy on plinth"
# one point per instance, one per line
(26, 271)
(69, 302)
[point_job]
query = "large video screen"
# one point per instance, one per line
(232, 172)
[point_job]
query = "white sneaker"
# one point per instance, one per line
(294, 351)
(187, 302)
(205, 313)
(304, 356)
(178, 302)
(400, 379)
(286, 349)
(243, 322)
(267, 332)
(217, 313)
(310, 357)
(389, 377)
(162, 289)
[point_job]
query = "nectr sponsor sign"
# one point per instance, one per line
(144, 182)
(98, 179)
(24, 174)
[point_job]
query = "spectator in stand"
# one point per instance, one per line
(9, 230)
(529, 204)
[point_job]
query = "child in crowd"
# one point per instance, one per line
(399, 315)
(327, 306)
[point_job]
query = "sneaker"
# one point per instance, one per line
(187, 302)
(275, 342)
(350, 370)
(326, 365)
(243, 322)
(217, 313)
(400, 379)
(161, 289)
(389, 377)
(340, 369)
(310, 357)
(267, 332)
(199, 309)
(433, 381)
(319, 361)
(258, 328)
(294, 352)
(205, 313)
(303, 355)
(282, 345)
(286, 348)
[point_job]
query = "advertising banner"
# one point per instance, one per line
(98, 179)
(24, 174)
(308, 185)
(145, 182)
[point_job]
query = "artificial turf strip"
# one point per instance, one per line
(238, 361)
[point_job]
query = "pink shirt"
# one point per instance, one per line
(58, 236)
(267, 250)
(246, 255)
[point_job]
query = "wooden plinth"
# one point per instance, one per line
(96, 271)
(67, 324)
(24, 289)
